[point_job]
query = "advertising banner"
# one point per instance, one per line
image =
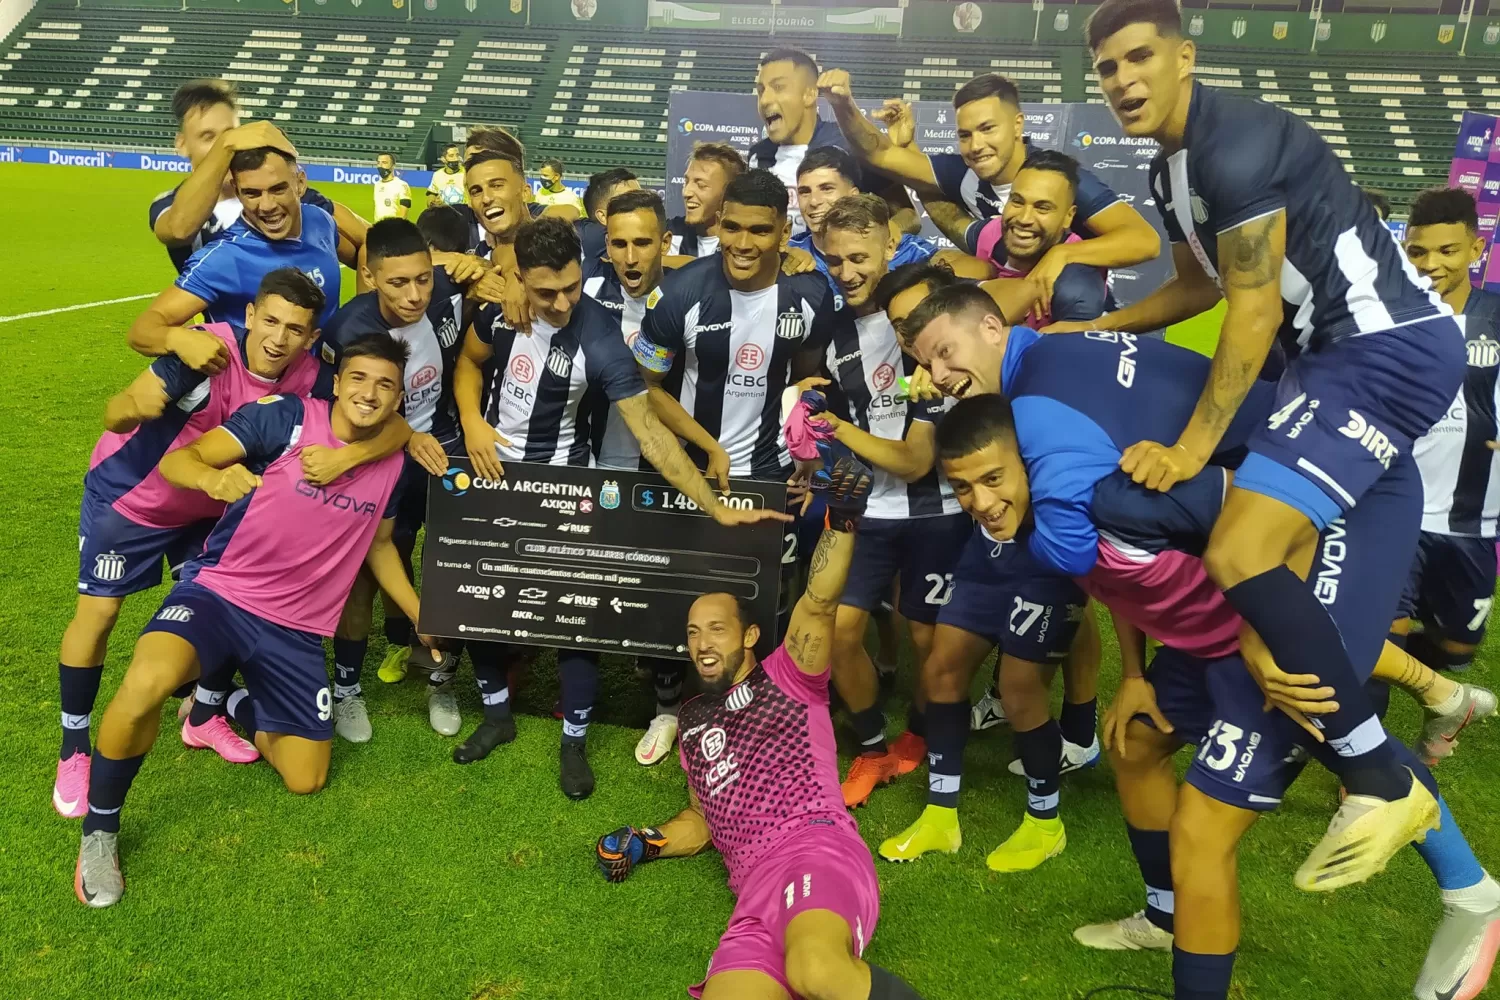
(1476, 169)
(1087, 132)
(587, 558)
(766, 19)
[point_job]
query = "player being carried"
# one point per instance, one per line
(763, 788)
(1261, 213)
(268, 586)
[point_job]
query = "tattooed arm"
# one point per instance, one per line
(809, 637)
(1250, 257)
(659, 446)
(1250, 260)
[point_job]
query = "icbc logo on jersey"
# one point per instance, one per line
(522, 368)
(423, 376)
(883, 378)
(750, 357)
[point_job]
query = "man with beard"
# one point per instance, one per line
(711, 166)
(392, 194)
(622, 282)
(992, 150)
(762, 773)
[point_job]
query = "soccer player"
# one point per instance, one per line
(1198, 690)
(913, 530)
(711, 167)
(786, 96)
(1452, 583)
(556, 197)
(392, 194)
(602, 188)
(1262, 213)
(447, 186)
(826, 175)
(763, 789)
(131, 517)
(418, 305)
(1037, 217)
(268, 585)
(547, 386)
(622, 282)
(203, 207)
(991, 152)
(276, 230)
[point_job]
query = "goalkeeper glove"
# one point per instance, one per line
(618, 852)
(847, 494)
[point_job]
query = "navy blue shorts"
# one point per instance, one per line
(1344, 413)
(1247, 757)
(1001, 594)
(283, 667)
(1452, 585)
(118, 557)
(919, 551)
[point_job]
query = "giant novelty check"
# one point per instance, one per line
(587, 558)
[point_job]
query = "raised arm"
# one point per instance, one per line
(904, 162)
(180, 221)
(809, 636)
(163, 329)
(659, 446)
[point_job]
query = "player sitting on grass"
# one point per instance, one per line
(763, 787)
(268, 586)
(131, 517)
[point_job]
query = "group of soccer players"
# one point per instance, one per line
(1275, 517)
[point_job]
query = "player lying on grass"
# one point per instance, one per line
(763, 787)
(268, 586)
(1145, 567)
(132, 518)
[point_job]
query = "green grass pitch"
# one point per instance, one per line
(412, 877)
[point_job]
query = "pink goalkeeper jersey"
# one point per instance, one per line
(123, 469)
(763, 763)
(289, 551)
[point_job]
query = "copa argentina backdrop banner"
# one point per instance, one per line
(1088, 132)
(1476, 169)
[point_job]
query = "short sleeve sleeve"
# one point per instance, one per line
(1247, 180)
(824, 318)
(178, 380)
(1078, 294)
(265, 427)
(160, 204)
(809, 689)
(949, 169)
(661, 335)
(1093, 197)
(210, 272)
(612, 368)
(1180, 518)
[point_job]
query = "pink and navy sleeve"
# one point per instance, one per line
(266, 428)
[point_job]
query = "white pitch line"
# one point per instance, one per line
(81, 305)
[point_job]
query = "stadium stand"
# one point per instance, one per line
(348, 88)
